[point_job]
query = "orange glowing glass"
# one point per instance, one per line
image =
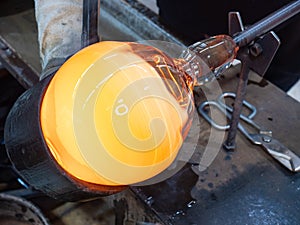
(117, 113)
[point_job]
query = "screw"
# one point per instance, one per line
(256, 49)
(267, 139)
(3, 46)
(8, 52)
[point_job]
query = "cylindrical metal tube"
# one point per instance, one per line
(268, 23)
(31, 157)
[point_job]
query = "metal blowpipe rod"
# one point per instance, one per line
(242, 39)
(268, 23)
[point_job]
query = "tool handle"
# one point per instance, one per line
(280, 152)
(267, 24)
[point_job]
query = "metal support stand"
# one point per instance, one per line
(258, 46)
(238, 106)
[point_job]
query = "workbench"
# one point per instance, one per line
(245, 186)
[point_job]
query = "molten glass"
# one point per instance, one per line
(117, 113)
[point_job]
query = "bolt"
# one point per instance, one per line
(8, 52)
(3, 46)
(256, 49)
(267, 139)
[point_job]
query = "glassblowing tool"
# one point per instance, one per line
(262, 137)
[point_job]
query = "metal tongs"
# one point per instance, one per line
(262, 137)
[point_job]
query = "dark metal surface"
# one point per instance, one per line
(242, 187)
(31, 158)
(21, 71)
(10, 90)
(90, 22)
(18, 211)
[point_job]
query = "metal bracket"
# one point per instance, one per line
(262, 52)
(235, 24)
(256, 56)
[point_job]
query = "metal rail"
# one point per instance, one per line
(268, 23)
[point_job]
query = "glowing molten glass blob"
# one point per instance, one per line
(117, 113)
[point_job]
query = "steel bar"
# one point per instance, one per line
(268, 23)
(90, 22)
(237, 108)
(242, 39)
